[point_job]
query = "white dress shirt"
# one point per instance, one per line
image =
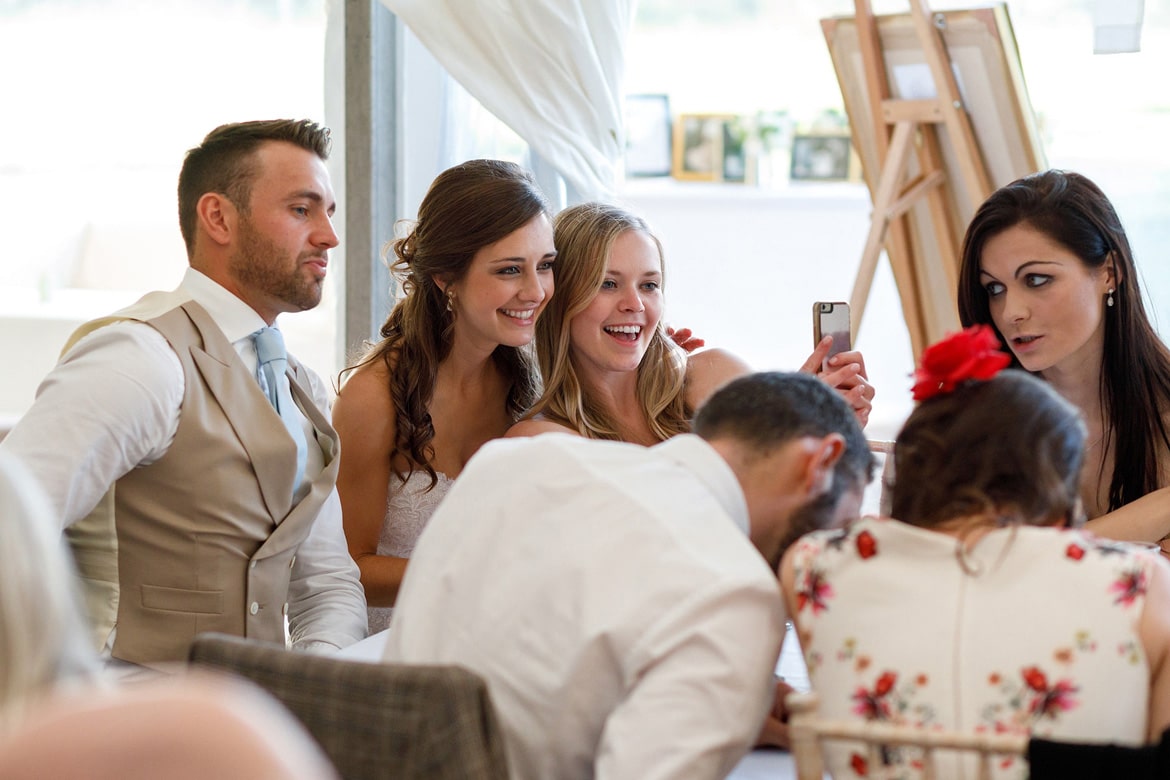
(112, 403)
(609, 595)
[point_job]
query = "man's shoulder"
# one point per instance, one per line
(149, 306)
(557, 446)
(153, 304)
(547, 468)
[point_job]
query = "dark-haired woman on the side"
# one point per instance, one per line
(1046, 263)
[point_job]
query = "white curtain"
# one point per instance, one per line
(550, 69)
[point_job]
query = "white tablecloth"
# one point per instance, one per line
(763, 764)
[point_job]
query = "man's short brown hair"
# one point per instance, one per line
(225, 163)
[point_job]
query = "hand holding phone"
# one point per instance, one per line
(831, 318)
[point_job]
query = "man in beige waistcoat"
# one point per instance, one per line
(190, 502)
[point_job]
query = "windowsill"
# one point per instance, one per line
(822, 193)
(66, 303)
(35, 323)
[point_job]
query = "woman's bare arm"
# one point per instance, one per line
(1154, 630)
(363, 415)
(1145, 520)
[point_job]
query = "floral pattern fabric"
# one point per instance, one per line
(1035, 634)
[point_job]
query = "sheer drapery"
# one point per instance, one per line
(550, 69)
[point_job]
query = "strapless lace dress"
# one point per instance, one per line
(408, 509)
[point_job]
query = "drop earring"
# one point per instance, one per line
(451, 300)
(1109, 300)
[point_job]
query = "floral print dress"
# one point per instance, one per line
(1035, 633)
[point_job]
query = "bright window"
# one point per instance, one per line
(101, 99)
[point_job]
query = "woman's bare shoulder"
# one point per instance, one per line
(709, 370)
(364, 397)
(537, 426)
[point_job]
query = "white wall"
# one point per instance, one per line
(745, 264)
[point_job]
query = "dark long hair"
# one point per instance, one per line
(1007, 446)
(1135, 370)
(467, 207)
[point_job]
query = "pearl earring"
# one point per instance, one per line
(451, 300)
(1109, 300)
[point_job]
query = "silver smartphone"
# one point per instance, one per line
(831, 318)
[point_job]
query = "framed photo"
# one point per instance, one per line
(648, 135)
(820, 158)
(734, 152)
(698, 146)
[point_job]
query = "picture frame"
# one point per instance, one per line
(699, 145)
(735, 162)
(649, 135)
(986, 62)
(821, 157)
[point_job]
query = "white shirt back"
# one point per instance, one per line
(610, 596)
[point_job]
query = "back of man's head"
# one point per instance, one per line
(763, 411)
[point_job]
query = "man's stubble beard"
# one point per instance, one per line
(258, 263)
(816, 515)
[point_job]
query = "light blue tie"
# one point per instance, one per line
(273, 362)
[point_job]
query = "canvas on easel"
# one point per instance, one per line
(940, 117)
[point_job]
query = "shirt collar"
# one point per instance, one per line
(235, 318)
(700, 458)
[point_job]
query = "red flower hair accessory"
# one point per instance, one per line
(970, 354)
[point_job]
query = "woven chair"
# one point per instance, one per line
(807, 731)
(373, 720)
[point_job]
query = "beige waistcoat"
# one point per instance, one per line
(206, 536)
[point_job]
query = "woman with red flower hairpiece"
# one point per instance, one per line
(972, 354)
(944, 618)
(1047, 264)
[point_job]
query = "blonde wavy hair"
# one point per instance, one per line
(42, 632)
(584, 236)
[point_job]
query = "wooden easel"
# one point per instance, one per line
(903, 127)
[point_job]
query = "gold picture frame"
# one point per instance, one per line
(823, 157)
(698, 146)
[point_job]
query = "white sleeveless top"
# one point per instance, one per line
(409, 507)
(1039, 635)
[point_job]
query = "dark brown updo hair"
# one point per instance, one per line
(1009, 448)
